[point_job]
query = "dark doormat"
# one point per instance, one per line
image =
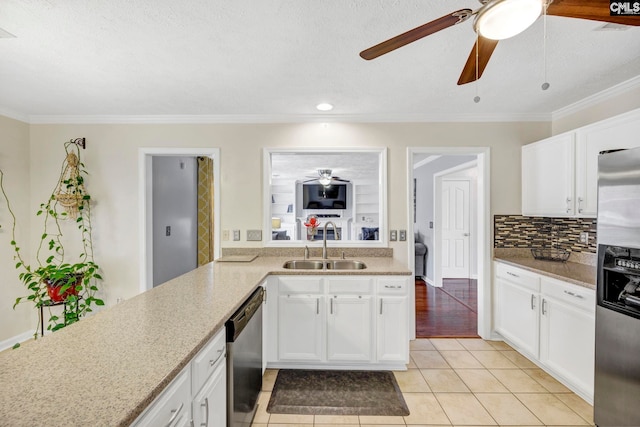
(321, 392)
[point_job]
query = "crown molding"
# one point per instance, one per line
(292, 118)
(596, 98)
(14, 115)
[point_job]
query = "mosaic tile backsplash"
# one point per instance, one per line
(516, 231)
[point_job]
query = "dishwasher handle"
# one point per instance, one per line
(241, 317)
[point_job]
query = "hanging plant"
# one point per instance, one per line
(51, 278)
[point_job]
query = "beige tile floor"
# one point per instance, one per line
(460, 382)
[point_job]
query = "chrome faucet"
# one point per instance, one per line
(324, 237)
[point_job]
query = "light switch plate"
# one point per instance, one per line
(393, 235)
(403, 236)
(236, 235)
(254, 235)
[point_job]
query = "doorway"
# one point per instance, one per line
(450, 216)
(159, 171)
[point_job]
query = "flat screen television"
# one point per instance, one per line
(317, 196)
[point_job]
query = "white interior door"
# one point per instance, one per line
(455, 228)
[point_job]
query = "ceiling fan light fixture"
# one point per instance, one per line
(325, 176)
(501, 19)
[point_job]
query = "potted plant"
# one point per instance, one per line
(51, 279)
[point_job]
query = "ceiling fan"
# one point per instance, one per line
(497, 20)
(325, 178)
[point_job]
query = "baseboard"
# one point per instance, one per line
(10, 342)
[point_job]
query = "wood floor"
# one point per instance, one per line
(449, 311)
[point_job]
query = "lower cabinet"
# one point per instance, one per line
(301, 339)
(550, 321)
(172, 407)
(337, 320)
(197, 396)
(517, 314)
(567, 333)
(349, 328)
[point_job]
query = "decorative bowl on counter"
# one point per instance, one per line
(550, 254)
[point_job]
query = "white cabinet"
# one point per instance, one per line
(173, 407)
(349, 323)
(205, 379)
(392, 320)
(301, 319)
(550, 321)
(209, 383)
(617, 133)
(567, 332)
(548, 177)
(332, 321)
(300, 327)
(560, 174)
(210, 404)
(517, 311)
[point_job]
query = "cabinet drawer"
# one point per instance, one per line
(392, 286)
(519, 276)
(573, 295)
(207, 360)
(172, 407)
(350, 285)
(300, 285)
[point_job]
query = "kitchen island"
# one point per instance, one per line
(106, 369)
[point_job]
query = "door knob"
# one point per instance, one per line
(465, 234)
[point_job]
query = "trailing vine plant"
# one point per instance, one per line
(77, 282)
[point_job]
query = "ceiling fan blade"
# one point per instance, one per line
(595, 10)
(485, 49)
(416, 34)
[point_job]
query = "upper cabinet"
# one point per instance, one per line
(548, 176)
(560, 174)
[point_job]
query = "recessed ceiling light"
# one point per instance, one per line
(324, 106)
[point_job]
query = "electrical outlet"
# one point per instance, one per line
(403, 236)
(254, 235)
(393, 235)
(584, 237)
(225, 234)
(236, 235)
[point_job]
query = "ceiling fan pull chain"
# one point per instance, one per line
(476, 99)
(545, 84)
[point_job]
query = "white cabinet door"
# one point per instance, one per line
(172, 407)
(548, 177)
(349, 328)
(392, 321)
(567, 333)
(300, 327)
(611, 134)
(517, 315)
(210, 404)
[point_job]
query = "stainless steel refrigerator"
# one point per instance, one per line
(617, 358)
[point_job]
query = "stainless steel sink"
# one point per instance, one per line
(337, 264)
(345, 264)
(304, 264)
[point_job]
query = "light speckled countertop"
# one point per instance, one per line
(113, 365)
(572, 272)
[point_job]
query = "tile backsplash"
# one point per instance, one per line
(516, 231)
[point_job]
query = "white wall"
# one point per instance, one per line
(111, 158)
(14, 162)
(175, 205)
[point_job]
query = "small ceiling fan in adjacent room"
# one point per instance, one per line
(497, 20)
(325, 178)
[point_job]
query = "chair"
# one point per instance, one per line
(421, 253)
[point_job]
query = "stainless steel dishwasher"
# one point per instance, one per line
(244, 361)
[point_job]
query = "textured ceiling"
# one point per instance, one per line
(279, 58)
